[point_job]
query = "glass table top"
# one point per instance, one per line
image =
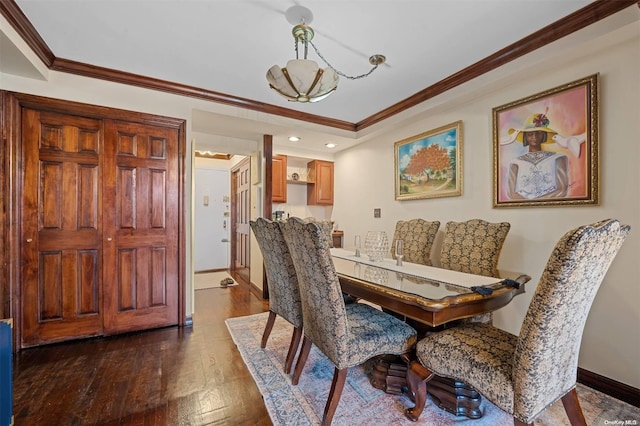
(420, 280)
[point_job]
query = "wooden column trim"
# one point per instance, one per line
(267, 147)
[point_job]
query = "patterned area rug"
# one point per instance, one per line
(361, 403)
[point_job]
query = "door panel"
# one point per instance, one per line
(242, 214)
(141, 236)
(60, 227)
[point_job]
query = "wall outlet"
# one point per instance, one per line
(376, 213)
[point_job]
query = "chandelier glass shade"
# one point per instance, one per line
(302, 80)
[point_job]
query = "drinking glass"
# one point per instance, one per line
(399, 252)
(356, 242)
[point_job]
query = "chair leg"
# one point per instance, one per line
(417, 378)
(339, 377)
(572, 407)
(302, 360)
(293, 348)
(267, 329)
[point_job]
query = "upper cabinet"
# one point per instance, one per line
(317, 176)
(320, 185)
(279, 179)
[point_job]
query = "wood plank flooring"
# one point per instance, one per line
(172, 376)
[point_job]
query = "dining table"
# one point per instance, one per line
(430, 299)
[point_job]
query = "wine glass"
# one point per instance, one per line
(399, 252)
(356, 242)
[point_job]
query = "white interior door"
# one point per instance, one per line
(211, 219)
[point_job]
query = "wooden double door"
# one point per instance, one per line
(100, 226)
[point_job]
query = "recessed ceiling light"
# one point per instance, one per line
(330, 145)
(294, 138)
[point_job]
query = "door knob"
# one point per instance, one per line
(29, 240)
(109, 238)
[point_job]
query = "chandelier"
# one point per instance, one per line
(302, 80)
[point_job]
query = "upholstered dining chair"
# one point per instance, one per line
(525, 374)
(325, 225)
(418, 236)
(474, 247)
(284, 294)
(347, 335)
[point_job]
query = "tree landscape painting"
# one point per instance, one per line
(429, 165)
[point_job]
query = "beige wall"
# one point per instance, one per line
(611, 342)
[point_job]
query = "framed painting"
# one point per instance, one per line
(429, 165)
(546, 148)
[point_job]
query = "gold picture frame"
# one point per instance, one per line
(429, 165)
(546, 148)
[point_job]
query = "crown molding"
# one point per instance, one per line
(93, 71)
(12, 12)
(582, 18)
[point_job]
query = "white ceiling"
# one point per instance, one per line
(227, 46)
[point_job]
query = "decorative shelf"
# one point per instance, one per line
(299, 182)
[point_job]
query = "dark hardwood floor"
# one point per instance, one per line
(172, 376)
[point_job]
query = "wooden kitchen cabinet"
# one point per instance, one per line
(320, 185)
(279, 179)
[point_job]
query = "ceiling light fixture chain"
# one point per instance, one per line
(374, 60)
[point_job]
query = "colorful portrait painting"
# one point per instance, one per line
(546, 147)
(429, 165)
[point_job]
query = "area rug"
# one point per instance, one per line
(211, 280)
(361, 403)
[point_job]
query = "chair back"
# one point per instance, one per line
(323, 308)
(284, 294)
(546, 355)
(325, 225)
(473, 246)
(418, 236)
